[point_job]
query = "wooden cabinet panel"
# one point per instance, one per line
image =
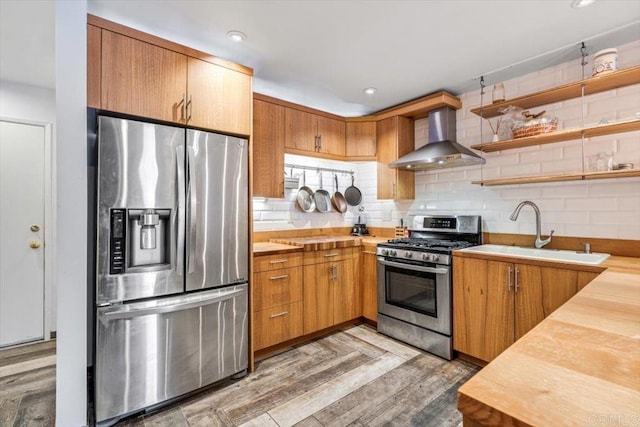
(276, 261)
(142, 79)
(268, 149)
(278, 287)
(327, 255)
(300, 130)
(361, 139)
(482, 308)
(94, 57)
(540, 291)
(369, 285)
(318, 297)
(346, 295)
(278, 324)
(395, 137)
(584, 277)
(331, 135)
(219, 98)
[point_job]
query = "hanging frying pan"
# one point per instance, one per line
(322, 198)
(353, 194)
(305, 196)
(338, 198)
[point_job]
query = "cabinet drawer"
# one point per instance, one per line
(328, 255)
(276, 262)
(276, 325)
(278, 287)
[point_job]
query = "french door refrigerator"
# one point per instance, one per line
(172, 254)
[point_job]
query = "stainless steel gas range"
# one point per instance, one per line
(415, 281)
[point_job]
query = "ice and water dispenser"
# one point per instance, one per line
(140, 240)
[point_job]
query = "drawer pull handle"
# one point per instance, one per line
(284, 313)
(278, 261)
(330, 255)
(284, 276)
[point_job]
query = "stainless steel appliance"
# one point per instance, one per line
(415, 281)
(172, 250)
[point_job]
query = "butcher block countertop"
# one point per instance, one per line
(318, 243)
(578, 367)
(269, 248)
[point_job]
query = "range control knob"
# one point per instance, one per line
(425, 257)
(408, 254)
(385, 252)
(393, 253)
(435, 258)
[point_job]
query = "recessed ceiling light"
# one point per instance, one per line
(236, 36)
(370, 90)
(581, 3)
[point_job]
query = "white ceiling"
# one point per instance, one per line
(323, 53)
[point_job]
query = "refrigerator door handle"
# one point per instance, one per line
(191, 195)
(130, 314)
(181, 225)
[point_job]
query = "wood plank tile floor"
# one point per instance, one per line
(354, 377)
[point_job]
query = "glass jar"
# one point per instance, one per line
(497, 94)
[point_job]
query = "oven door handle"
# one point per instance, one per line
(413, 267)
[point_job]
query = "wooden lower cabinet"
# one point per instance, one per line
(369, 284)
(277, 299)
(495, 303)
(277, 324)
(331, 293)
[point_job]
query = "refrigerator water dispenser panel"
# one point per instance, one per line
(117, 241)
(149, 238)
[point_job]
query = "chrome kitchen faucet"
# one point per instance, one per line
(539, 242)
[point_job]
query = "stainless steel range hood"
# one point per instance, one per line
(442, 151)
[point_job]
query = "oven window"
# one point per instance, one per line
(413, 290)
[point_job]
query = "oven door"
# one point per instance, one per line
(416, 294)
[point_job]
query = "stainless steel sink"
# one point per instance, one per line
(541, 254)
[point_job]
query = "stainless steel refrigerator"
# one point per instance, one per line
(172, 263)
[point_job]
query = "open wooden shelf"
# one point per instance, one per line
(627, 173)
(602, 83)
(564, 135)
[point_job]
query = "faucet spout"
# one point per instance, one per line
(514, 216)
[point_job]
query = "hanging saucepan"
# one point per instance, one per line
(322, 198)
(353, 194)
(338, 199)
(305, 196)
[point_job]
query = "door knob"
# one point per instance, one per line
(35, 228)
(34, 244)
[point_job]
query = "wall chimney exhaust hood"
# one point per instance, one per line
(442, 151)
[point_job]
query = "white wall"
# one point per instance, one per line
(602, 208)
(34, 104)
(71, 266)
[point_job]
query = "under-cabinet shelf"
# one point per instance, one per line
(626, 173)
(564, 135)
(602, 83)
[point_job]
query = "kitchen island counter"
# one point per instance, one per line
(580, 366)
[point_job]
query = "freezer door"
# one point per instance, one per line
(140, 220)
(217, 210)
(156, 350)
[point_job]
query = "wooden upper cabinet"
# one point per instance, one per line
(300, 130)
(331, 134)
(395, 137)
(142, 79)
(218, 98)
(94, 57)
(313, 133)
(268, 149)
(361, 139)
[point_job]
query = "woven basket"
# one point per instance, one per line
(534, 128)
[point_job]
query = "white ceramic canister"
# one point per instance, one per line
(605, 61)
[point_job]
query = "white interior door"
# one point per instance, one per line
(22, 204)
